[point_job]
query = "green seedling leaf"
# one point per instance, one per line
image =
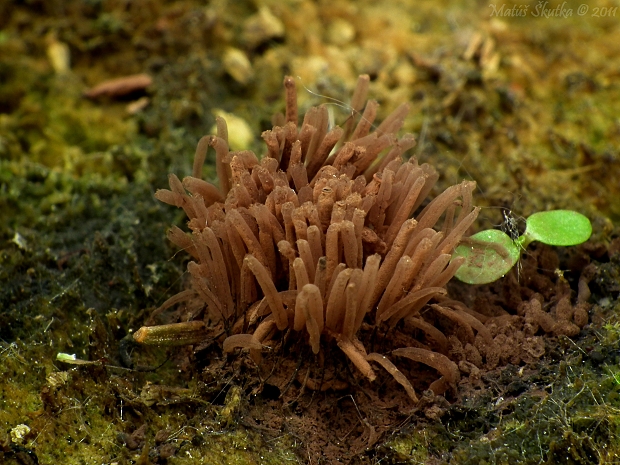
(489, 255)
(557, 227)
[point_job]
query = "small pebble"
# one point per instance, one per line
(19, 433)
(137, 105)
(237, 64)
(59, 56)
(262, 27)
(240, 134)
(340, 32)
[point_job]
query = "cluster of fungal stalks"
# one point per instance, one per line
(316, 238)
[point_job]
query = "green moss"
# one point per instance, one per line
(411, 447)
(564, 418)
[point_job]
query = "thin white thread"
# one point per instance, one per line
(338, 103)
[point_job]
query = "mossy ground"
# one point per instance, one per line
(530, 114)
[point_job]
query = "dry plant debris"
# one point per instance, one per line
(119, 87)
